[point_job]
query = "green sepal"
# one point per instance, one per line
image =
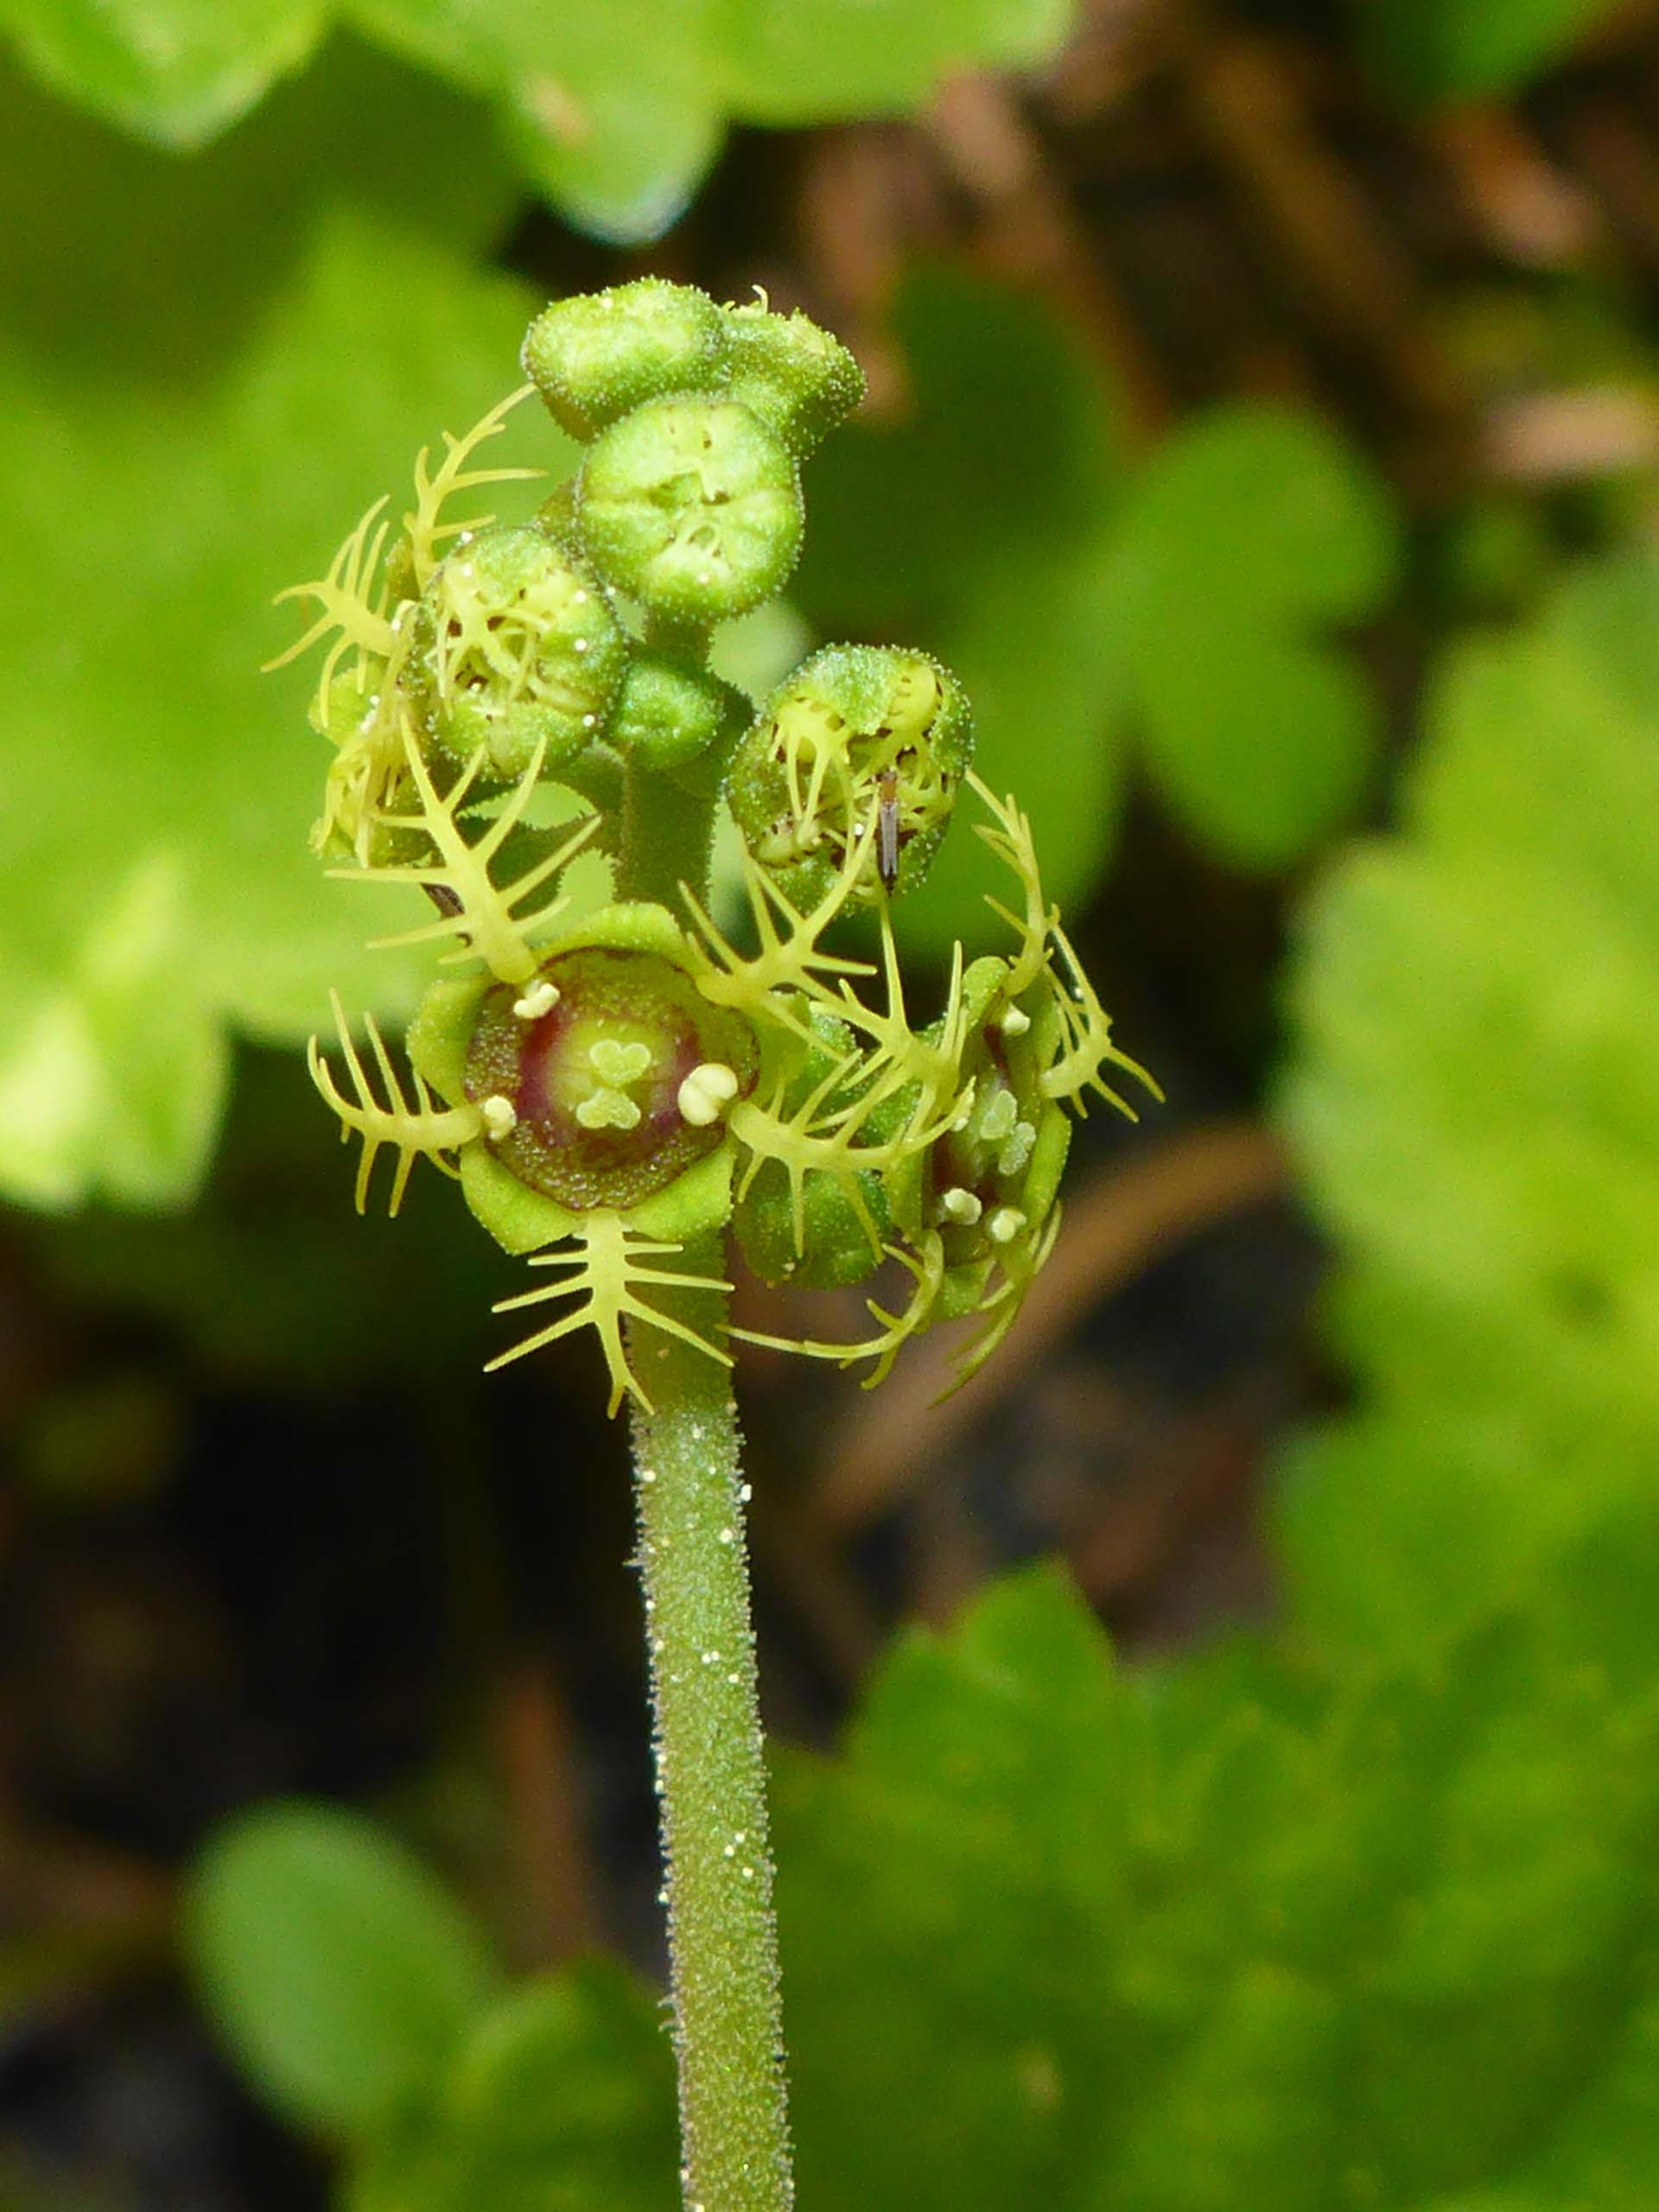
(797, 378)
(441, 1032)
(961, 1290)
(699, 1200)
(520, 1219)
(629, 925)
(597, 356)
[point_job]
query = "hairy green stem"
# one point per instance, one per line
(711, 1775)
(710, 1781)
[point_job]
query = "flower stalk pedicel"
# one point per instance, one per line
(614, 1091)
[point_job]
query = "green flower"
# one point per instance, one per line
(608, 1089)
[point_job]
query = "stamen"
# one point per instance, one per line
(961, 1206)
(541, 998)
(706, 1093)
(1005, 1224)
(500, 1115)
(1015, 1021)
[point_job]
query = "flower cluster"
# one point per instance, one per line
(610, 1085)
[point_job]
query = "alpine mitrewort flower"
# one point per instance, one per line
(609, 1085)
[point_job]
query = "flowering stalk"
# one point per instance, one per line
(615, 1086)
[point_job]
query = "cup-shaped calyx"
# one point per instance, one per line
(512, 646)
(691, 505)
(863, 740)
(604, 1077)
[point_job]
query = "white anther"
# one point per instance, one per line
(706, 1093)
(1015, 1021)
(582, 645)
(998, 1117)
(1005, 1224)
(589, 721)
(579, 598)
(961, 1206)
(541, 998)
(500, 1115)
(1017, 1148)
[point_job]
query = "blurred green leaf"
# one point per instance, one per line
(614, 108)
(1188, 1945)
(338, 1969)
(1191, 601)
(978, 528)
(1475, 1097)
(1247, 539)
(561, 2100)
(1455, 49)
(177, 71)
(267, 1278)
(178, 452)
(1232, 1933)
(800, 61)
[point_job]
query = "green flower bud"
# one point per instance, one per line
(596, 358)
(595, 1078)
(859, 735)
(665, 715)
(797, 378)
(691, 505)
(513, 645)
(840, 1239)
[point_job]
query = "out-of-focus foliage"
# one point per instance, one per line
(561, 2100)
(1453, 49)
(1250, 539)
(1477, 1101)
(1363, 1912)
(267, 347)
(618, 146)
(1189, 602)
(335, 1964)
